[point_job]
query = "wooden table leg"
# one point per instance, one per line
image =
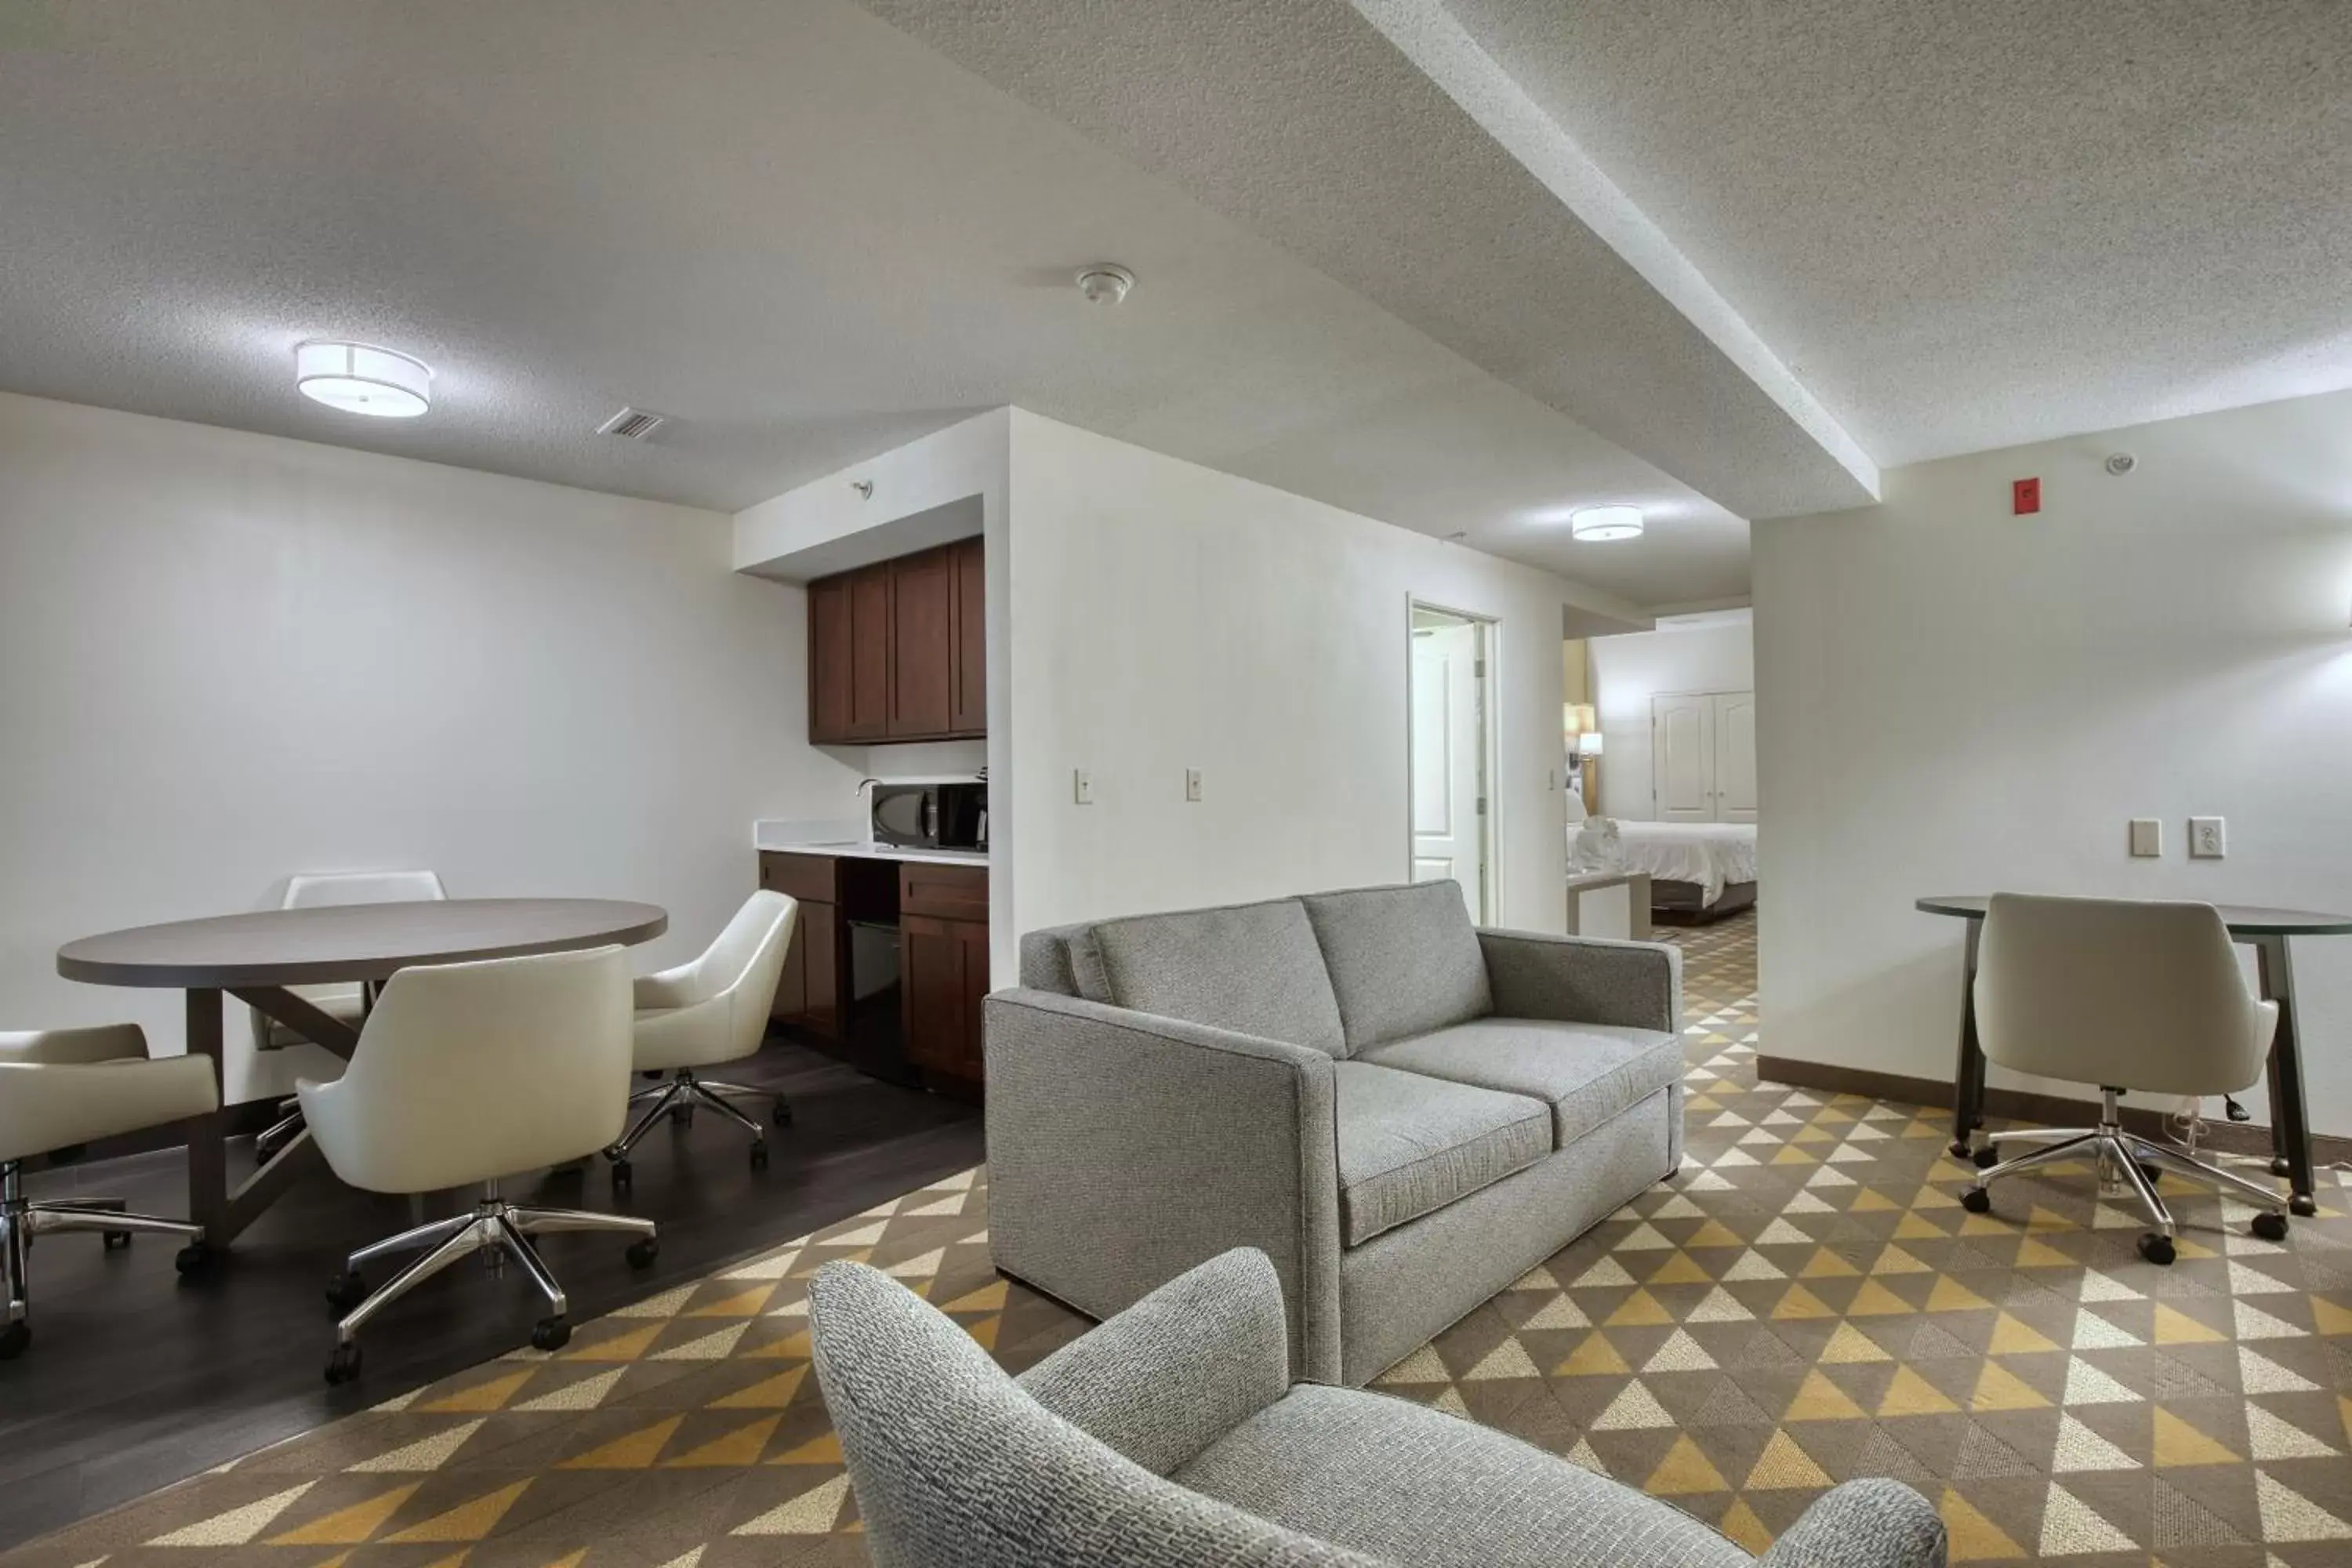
(208, 1135)
(2290, 1118)
(1968, 1071)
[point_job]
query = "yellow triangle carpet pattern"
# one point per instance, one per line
(1806, 1302)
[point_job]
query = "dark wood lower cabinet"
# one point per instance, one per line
(808, 996)
(944, 967)
(941, 913)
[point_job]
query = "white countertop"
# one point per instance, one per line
(885, 852)
(810, 838)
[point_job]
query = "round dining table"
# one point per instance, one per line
(256, 957)
(2264, 929)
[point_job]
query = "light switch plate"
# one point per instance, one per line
(1082, 787)
(1192, 783)
(2146, 837)
(2208, 838)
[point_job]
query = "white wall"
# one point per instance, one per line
(226, 658)
(1962, 701)
(1165, 616)
(1629, 669)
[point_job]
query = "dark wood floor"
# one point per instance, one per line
(135, 1380)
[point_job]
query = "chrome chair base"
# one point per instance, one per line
(678, 1095)
(2111, 1147)
(21, 1220)
(496, 1228)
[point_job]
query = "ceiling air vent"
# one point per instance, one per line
(632, 424)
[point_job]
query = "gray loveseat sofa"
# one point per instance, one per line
(1173, 1437)
(1405, 1113)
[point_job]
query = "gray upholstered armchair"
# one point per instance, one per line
(1172, 1436)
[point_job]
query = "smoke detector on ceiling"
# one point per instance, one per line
(632, 425)
(1105, 283)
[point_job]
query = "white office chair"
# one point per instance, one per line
(2123, 994)
(58, 1089)
(465, 1073)
(345, 1002)
(711, 1010)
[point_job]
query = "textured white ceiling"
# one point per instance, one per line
(1965, 223)
(797, 230)
(1306, 123)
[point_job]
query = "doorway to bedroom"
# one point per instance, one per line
(1449, 751)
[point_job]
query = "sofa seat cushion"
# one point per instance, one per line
(1403, 960)
(1410, 1146)
(1404, 1483)
(1254, 969)
(1586, 1072)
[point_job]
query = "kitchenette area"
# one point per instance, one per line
(890, 958)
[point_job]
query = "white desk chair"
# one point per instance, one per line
(345, 1003)
(465, 1073)
(2123, 994)
(710, 1010)
(60, 1089)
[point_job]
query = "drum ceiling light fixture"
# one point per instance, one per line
(360, 378)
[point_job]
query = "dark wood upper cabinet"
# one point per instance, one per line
(922, 645)
(830, 655)
(898, 652)
(968, 707)
(869, 655)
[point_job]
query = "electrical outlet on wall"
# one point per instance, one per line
(2208, 838)
(1192, 783)
(1082, 787)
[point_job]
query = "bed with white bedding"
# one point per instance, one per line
(1705, 870)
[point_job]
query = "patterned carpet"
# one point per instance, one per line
(1807, 1301)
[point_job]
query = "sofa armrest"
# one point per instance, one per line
(1124, 1148)
(1874, 1523)
(1180, 1368)
(1584, 979)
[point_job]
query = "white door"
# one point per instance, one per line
(1682, 758)
(1446, 832)
(1735, 756)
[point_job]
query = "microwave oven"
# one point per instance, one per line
(935, 816)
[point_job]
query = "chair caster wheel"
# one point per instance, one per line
(194, 1259)
(551, 1334)
(14, 1339)
(782, 1114)
(114, 1240)
(641, 1254)
(1986, 1157)
(1976, 1200)
(1958, 1148)
(346, 1291)
(2270, 1226)
(624, 1176)
(758, 1156)
(344, 1364)
(2157, 1249)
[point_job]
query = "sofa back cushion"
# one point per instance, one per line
(1252, 968)
(1403, 960)
(1067, 961)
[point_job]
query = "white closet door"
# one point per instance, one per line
(1735, 756)
(1682, 758)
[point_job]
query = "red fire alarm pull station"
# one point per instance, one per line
(2024, 495)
